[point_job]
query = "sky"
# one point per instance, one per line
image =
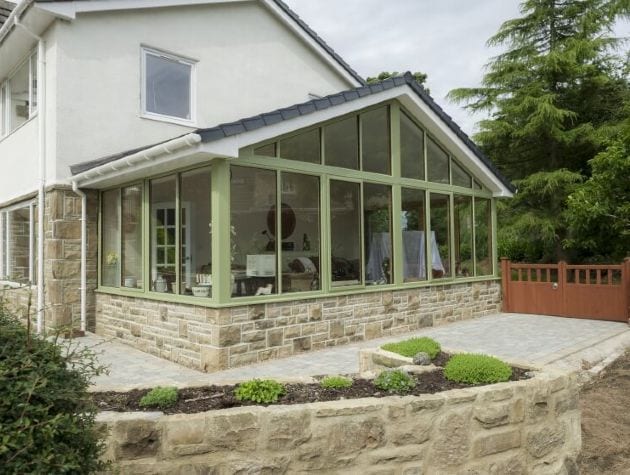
(445, 39)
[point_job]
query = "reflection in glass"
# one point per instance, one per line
(483, 237)
(460, 176)
(131, 243)
(437, 163)
(345, 233)
(110, 254)
(413, 224)
(268, 150)
(195, 233)
(300, 233)
(411, 149)
(163, 235)
(253, 229)
(375, 146)
(304, 147)
(377, 222)
(341, 141)
(440, 226)
(463, 236)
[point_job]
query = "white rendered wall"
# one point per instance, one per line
(19, 170)
(248, 63)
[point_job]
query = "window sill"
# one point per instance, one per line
(169, 120)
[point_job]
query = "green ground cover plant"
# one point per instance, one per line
(476, 369)
(336, 382)
(413, 346)
(262, 391)
(395, 381)
(162, 397)
(47, 419)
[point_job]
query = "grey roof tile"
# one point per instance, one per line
(5, 10)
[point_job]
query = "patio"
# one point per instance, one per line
(533, 339)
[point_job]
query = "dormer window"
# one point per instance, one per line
(167, 87)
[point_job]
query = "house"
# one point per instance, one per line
(211, 183)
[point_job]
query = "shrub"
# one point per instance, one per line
(46, 415)
(263, 391)
(413, 346)
(476, 369)
(160, 397)
(395, 381)
(336, 382)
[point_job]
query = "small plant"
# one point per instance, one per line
(262, 391)
(477, 369)
(162, 397)
(413, 346)
(395, 381)
(336, 382)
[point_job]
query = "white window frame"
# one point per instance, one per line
(5, 96)
(145, 51)
(5, 236)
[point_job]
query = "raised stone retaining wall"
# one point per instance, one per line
(525, 427)
(216, 339)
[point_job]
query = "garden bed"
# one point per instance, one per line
(208, 398)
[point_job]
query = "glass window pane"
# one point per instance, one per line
(300, 233)
(33, 84)
(163, 230)
(377, 222)
(19, 109)
(460, 176)
(483, 236)
(19, 245)
(131, 244)
(268, 150)
(195, 235)
(345, 233)
(411, 149)
(168, 87)
(413, 225)
(341, 142)
(440, 235)
(110, 229)
(304, 147)
(253, 228)
(463, 236)
(375, 146)
(476, 185)
(437, 161)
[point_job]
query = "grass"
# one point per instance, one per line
(413, 346)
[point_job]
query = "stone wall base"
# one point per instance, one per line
(526, 427)
(216, 339)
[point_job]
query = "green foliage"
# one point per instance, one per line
(413, 346)
(476, 369)
(46, 415)
(555, 86)
(162, 397)
(262, 391)
(336, 382)
(395, 381)
(421, 78)
(598, 212)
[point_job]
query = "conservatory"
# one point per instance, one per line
(262, 238)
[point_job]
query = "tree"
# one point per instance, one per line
(557, 83)
(421, 78)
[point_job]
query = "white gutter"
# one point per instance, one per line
(41, 120)
(83, 287)
(130, 161)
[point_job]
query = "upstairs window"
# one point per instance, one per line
(168, 86)
(18, 96)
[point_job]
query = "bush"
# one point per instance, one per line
(263, 391)
(477, 369)
(395, 381)
(413, 346)
(336, 382)
(46, 415)
(160, 397)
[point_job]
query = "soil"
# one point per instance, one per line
(605, 406)
(208, 398)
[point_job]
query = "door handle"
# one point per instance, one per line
(555, 286)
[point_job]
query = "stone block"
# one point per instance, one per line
(492, 415)
(373, 330)
(237, 431)
(275, 337)
(136, 438)
(496, 442)
(229, 335)
(213, 359)
(336, 329)
(287, 428)
(302, 344)
(541, 442)
(451, 445)
(259, 335)
(66, 230)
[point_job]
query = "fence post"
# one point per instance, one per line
(505, 284)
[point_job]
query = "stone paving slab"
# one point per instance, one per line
(532, 339)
